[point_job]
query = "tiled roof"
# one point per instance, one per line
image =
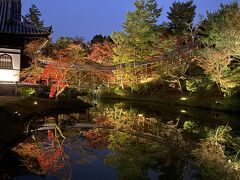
(10, 20)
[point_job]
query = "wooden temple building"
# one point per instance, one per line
(14, 36)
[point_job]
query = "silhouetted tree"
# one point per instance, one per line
(33, 17)
(100, 39)
(97, 39)
(181, 17)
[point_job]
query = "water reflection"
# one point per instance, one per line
(121, 142)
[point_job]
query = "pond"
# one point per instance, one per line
(119, 140)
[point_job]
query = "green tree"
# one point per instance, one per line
(64, 42)
(181, 16)
(33, 17)
(221, 29)
(220, 57)
(140, 37)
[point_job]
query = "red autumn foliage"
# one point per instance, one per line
(50, 135)
(98, 138)
(57, 71)
(55, 74)
(50, 161)
(49, 156)
(101, 52)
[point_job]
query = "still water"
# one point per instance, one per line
(127, 141)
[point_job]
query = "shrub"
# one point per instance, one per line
(26, 91)
(198, 83)
(119, 91)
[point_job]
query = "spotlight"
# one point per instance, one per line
(183, 111)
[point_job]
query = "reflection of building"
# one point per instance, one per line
(14, 35)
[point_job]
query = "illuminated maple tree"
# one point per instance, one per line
(57, 72)
(101, 52)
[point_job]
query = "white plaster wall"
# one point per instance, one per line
(11, 75)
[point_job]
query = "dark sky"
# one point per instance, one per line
(86, 18)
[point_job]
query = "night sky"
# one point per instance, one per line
(86, 18)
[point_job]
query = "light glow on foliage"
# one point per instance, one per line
(149, 79)
(183, 111)
(183, 98)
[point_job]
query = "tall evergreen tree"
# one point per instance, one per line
(140, 37)
(33, 17)
(181, 16)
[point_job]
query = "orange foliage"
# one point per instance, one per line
(98, 138)
(101, 52)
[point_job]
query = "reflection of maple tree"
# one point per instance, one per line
(98, 138)
(105, 121)
(42, 158)
(51, 161)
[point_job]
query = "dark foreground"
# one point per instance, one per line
(119, 140)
